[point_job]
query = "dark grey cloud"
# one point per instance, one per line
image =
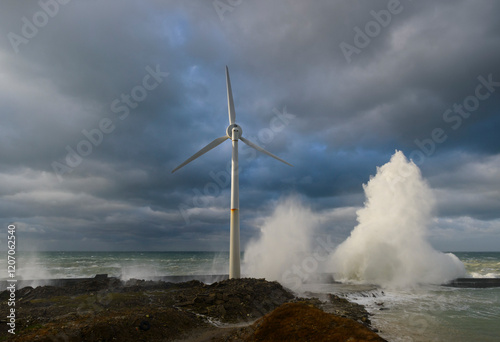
(69, 68)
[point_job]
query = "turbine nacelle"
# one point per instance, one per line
(230, 128)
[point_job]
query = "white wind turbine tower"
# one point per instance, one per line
(233, 132)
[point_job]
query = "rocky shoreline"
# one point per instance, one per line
(107, 309)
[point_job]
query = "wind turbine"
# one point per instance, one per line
(234, 133)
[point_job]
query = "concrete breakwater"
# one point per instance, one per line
(212, 278)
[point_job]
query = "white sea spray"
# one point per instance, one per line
(389, 246)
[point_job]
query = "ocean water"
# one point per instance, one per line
(422, 313)
(124, 265)
(438, 313)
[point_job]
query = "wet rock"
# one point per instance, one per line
(103, 308)
(240, 298)
(344, 308)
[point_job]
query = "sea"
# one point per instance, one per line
(419, 313)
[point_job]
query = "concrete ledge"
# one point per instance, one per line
(474, 283)
(212, 278)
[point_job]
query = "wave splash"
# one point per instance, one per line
(286, 237)
(389, 245)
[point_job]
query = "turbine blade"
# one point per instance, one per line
(260, 149)
(204, 150)
(230, 103)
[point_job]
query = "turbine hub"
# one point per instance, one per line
(229, 131)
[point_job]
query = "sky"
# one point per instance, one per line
(100, 100)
